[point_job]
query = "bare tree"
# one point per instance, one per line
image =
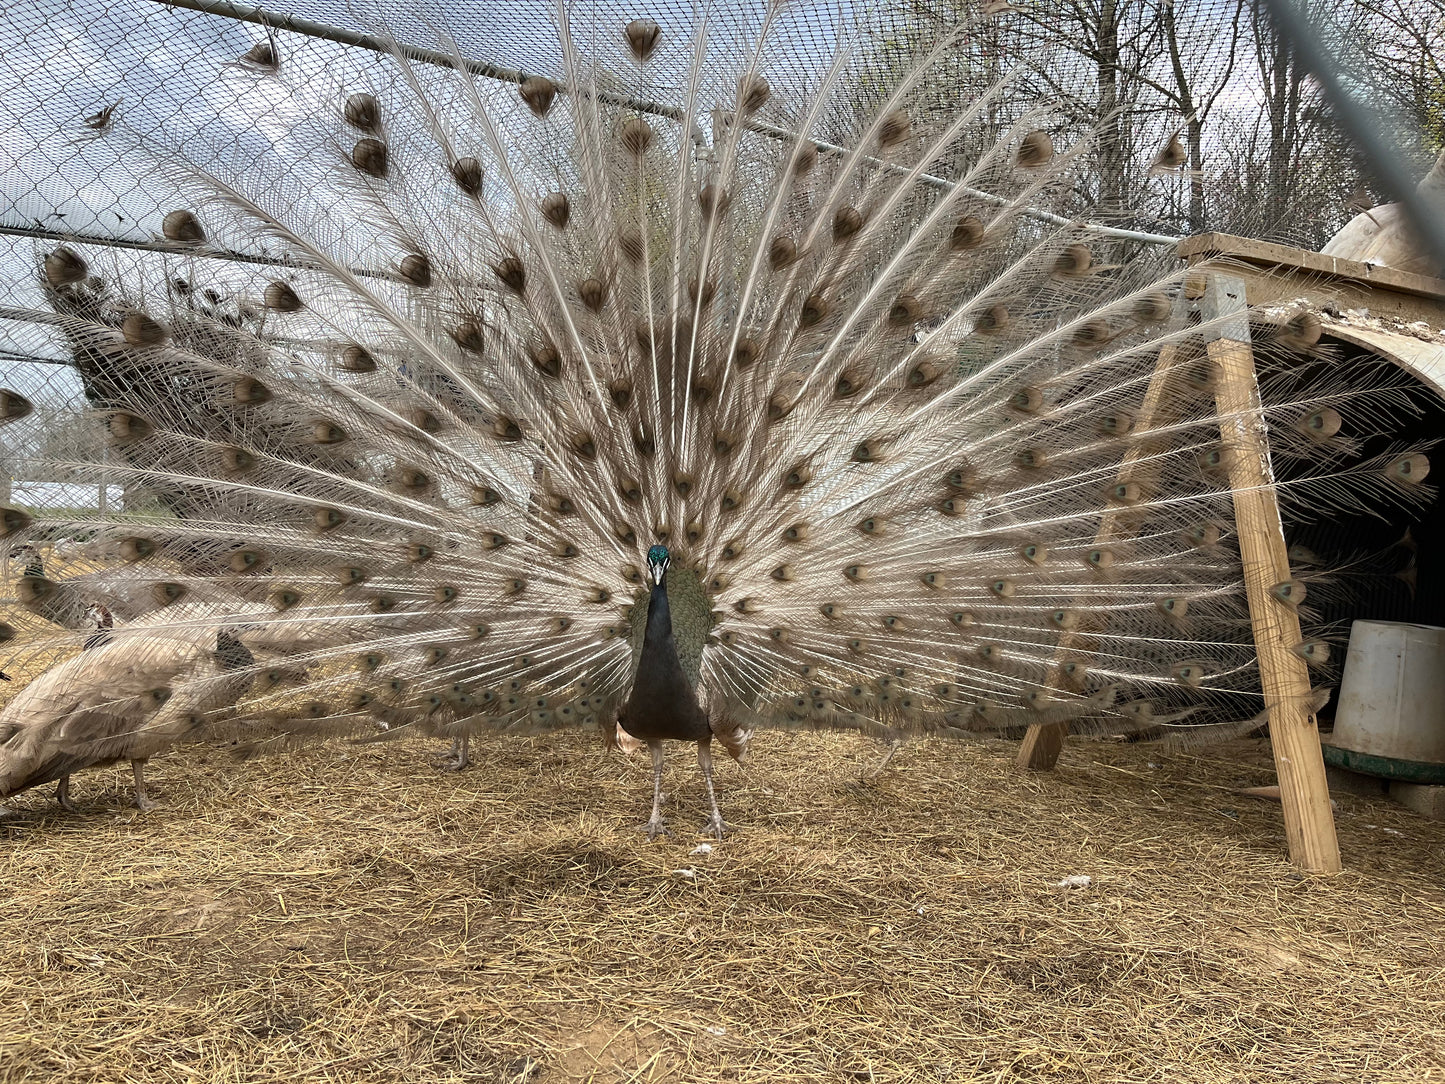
(1197, 87)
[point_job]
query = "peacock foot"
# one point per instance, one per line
(142, 799)
(455, 758)
(716, 827)
(654, 828)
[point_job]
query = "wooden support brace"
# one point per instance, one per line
(1283, 674)
(1043, 742)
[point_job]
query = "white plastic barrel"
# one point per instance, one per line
(1392, 696)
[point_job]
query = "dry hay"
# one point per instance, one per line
(352, 914)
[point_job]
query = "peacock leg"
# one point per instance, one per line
(893, 747)
(654, 824)
(457, 759)
(704, 758)
(62, 795)
(137, 768)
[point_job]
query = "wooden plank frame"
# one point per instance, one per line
(1284, 675)
(1278, 274)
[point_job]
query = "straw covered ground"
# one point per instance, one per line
(352, 914)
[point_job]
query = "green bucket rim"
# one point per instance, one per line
(1404, 771)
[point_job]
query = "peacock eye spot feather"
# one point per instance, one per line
(841, 353)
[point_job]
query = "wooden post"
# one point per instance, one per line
(1284, 678)
(1043, 742)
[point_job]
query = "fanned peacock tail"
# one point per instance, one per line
(930, 453)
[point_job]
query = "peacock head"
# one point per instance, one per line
(657, 561)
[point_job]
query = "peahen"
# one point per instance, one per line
(68, 600)
(125, 697)
(701, 384)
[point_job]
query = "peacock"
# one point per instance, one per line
(705, 379)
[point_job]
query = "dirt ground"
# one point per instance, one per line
(354, 914)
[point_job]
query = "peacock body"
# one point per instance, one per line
(663, 703)
(918, 449)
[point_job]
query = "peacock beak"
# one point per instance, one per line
(658, 571)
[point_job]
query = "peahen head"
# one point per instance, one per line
(657, 561)
(99, 616)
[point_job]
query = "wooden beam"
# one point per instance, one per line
(1043, 742)
(1280, 274)
(1284, 677)
(1209, 247)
